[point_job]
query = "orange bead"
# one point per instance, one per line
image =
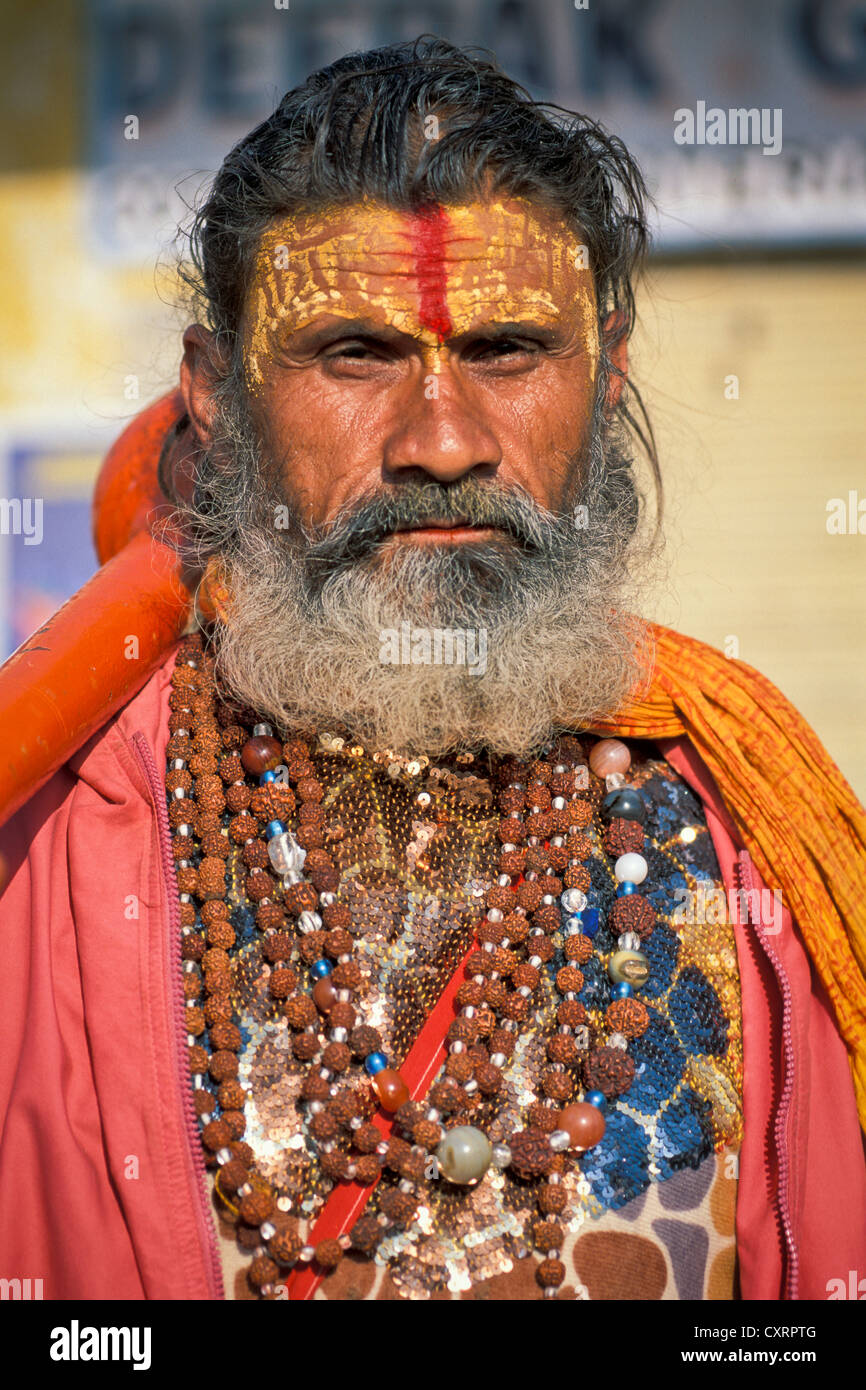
(391, 1089)
(584, 1125)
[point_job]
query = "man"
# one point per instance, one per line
(355, 958)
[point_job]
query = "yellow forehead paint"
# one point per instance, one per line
(433, 274)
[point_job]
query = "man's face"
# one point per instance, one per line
(381, 347)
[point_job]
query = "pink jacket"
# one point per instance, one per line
(102, 1191)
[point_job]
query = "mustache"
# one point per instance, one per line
(358, 530)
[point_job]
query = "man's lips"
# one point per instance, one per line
(449, 531)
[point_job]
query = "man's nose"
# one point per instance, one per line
(442, 431)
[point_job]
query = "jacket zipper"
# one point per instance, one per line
(148, 766)
(747, 874)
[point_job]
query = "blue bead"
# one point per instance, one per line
(625, 803)
(622, 991)
(274, 827)
(267, 777)
(596, 1098)
(625, 888)
(590, 921)
(320, 968)
(376, 1062)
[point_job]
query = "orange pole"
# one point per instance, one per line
(71, 675)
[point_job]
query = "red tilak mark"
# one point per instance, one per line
(427, 230)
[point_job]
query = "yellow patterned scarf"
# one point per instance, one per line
(799, 819)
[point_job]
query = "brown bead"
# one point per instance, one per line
(470, 993)
(233, 1175)
(324, 994)
(364, 1040)
(223, 1066)
(550, 1273)
(335, 1165)
(277, 947)
(255, 855)
(512, 861)
(337, 916)
(231, 1095)
(336, 1057)
(306, 1046)
(225, 1036)
(344, 1106)
(510, 830)
(256, 1207)
(543, 947)
(187, 919)
(398, 1149)
(525, 976)
(324, 1127)
(192, 985)
(627, 1016)
(261, 754)
(262, 1271)
(502, 1040)
(557, 1084)
(531, 1154)
(495, 992)
(528, 895)
(203, 1101)
(285, 1246)
(342, 1015)
(571, 1013)
(632, 913)
(300, 897)
(552, 1199)
(367, 1169)
(541, 1116)
(562, 1048)
(198, 1060)
(366, 1234)
(237, 798)
(569, 980)
(609, 1070)
(583, 1123)
(367, 1138)
(310, 836)
(515, 1007)
(221, 934)
(258, 885)
(315, 1087)
(236, 1121)
(490, 931)
(328, 1253)
(427, 1133)
(547, 1235)
(399, 1206)
(489, 1079)
(347, 975)
(547, 917)
(578, 948)
(447, 1096)
(577, 876)
(311, 945)
(459, 1066)
(338, 942)
(194, 1020)
(300, 1011)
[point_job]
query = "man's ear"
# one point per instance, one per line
(616, 345)
(200, 372)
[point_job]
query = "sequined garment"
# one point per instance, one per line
(415, 860)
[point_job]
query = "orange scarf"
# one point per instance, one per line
(799, 819)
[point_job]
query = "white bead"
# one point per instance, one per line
(224, 1156)
(614, 780)
(558, 803)
(340, 1034)
(291, 878)
(262, 730)
(266, 1230)
(630, 868)
(504, 881)
(548, 900)
(494, 914)
(559, 1140)
(573, 900)
(508, 849)
(285, 853)
(618, 1040)
(629, 941)
(497, 1059)
(501, 1155)
(572, 925)
(307, 1253)
(309, 921)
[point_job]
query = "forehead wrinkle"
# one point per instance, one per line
(490, 242)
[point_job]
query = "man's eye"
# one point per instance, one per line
(507, 347)
(352, 350)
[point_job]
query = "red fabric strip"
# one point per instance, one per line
(348, 1199)
(427, 230)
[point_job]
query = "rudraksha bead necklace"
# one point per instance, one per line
(293, 881)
